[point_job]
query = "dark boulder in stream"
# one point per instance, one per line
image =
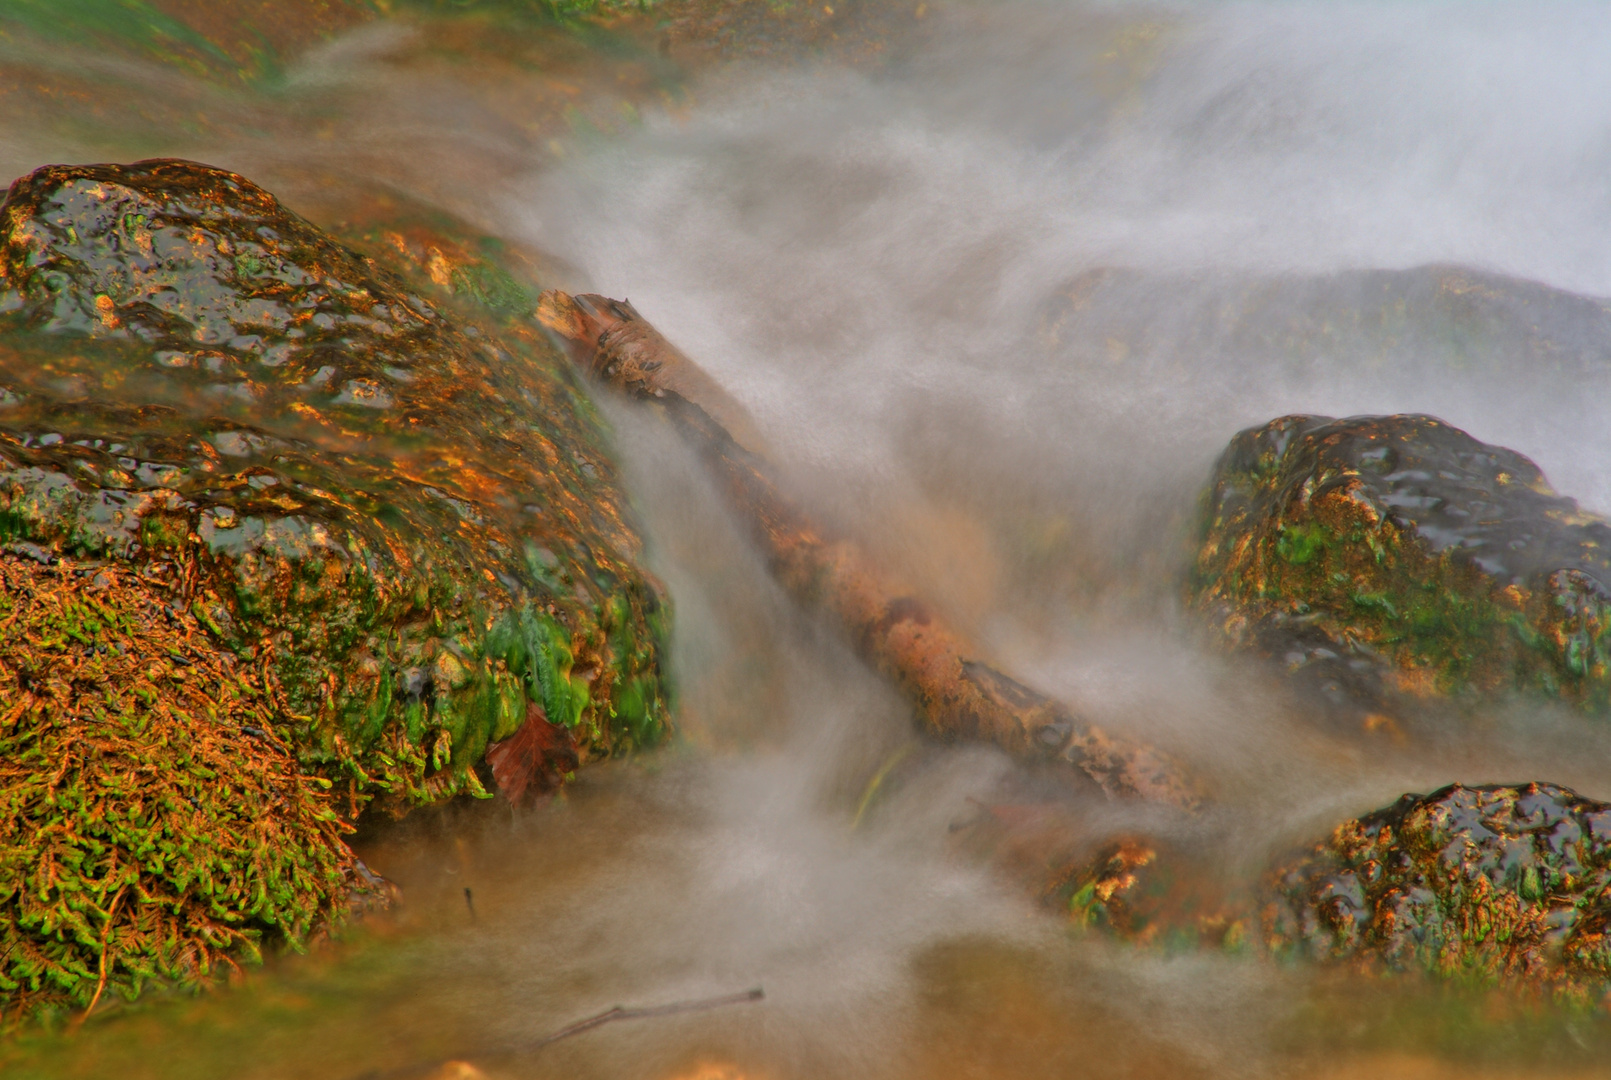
(387, 536)
(1487, 885)
(1397, 566)
(1495, 886)
(1394, 559)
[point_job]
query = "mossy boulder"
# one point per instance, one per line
(1388, 558)
(1488, 885)
(1498, 886)
(398, 514)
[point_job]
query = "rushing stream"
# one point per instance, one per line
(996, 299)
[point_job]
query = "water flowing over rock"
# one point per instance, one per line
(1396, 567)
(1393, 558)
(399, 528)
(954, 693)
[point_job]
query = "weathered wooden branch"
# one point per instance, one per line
(957, 695)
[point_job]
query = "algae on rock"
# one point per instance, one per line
(1487, 885)
(415, 522)
(1397, 555)
(399, 525)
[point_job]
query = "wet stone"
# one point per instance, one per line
(1385, 560)
(1490, 885)
(346, 478)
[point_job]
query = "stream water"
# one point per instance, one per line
(996, 299)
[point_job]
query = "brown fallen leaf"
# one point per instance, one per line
(534, 760)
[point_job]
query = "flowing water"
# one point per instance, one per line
(996, 292)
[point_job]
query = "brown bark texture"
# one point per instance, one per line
(956, 694)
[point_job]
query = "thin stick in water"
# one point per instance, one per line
(619, 1013)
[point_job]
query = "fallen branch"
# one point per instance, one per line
(956, 694)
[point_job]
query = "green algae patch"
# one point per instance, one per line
(1383, 557)
(153, 828)
(1484, 886)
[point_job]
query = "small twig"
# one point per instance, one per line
(3, 958)
(619, 1013)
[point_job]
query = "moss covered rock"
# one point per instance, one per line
(398, 521)
(1490, 885)
(413, 521)
(1503, 887)
(153, 827)
(1397, 555)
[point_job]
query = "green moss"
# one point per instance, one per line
(152, 829)
(1300, 544)
(397, 528)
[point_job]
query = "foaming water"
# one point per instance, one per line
(1000, 304)
(997, 304)
(857, 254)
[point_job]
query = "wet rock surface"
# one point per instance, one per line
(392, 528)
(413, 522)
(1490, 884)
(1425, 323)
(1394, 558)
(1494, 886)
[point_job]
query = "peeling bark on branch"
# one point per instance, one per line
(956, 694)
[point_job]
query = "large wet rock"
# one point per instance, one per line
(1386, 556)
(397, 528)
(1425, 325)
(414, 523)
(1482, 884)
